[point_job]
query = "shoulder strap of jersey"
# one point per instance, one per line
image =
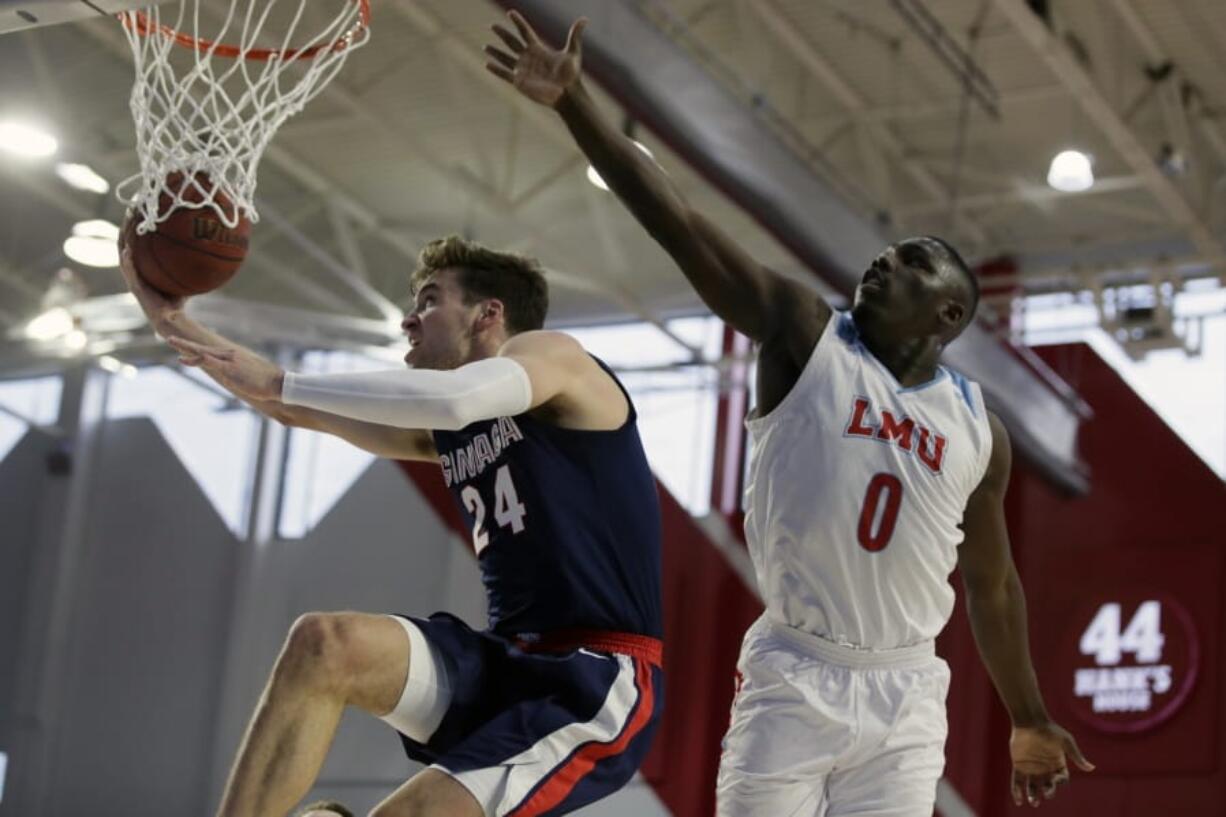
(633, 415)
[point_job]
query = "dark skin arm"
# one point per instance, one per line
(784, 317)
(996, 605)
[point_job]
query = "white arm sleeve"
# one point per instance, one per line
(417, 398)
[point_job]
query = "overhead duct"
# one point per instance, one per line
(666, 90)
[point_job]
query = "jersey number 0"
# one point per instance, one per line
(877, 522)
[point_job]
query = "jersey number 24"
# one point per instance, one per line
(509, 512)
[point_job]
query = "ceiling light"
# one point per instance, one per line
(93, 243)
(110, 364)
(594, 177)
(26, 140)
(76, 340)
(97, 228)
(82, 177)
(51, 324)
(1071, 172)
(127, 371)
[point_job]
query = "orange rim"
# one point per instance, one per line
(144, 28)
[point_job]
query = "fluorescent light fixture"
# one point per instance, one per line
(127, 371)
(594, 177)
(76, 340)
(26, 140)
(110, 364)
(82, 177)
(50, 325)
(1071, 172)
(93, 243)
(97, 228)
(4, 762)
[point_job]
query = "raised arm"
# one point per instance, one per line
(169, 320)
(996, 606)
(755, 300)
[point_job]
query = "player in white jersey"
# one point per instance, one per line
(874, 472)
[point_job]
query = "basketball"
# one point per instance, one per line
(192, 251)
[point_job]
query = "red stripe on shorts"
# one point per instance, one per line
(563, 781)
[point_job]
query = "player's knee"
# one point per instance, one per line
(317, 647)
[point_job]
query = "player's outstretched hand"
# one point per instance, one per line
(156, 305)
(1039, 765)
(539, 72)
(242, 372)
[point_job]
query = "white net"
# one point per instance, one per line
(212, 87)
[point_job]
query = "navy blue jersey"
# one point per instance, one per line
(566, 523)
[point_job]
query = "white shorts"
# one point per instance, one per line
(821, 730)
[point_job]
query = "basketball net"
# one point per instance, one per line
(203, 107)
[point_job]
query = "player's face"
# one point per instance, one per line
(906, 288)
(439, 324)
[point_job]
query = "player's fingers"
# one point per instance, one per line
(521, 25)
(500, 56)
(574, 39)
(191, 360)
(185, 345)
(500, 72)
(1073, 751)
(1032, 792)
(1017, 789)
(512, 42)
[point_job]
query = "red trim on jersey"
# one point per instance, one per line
(562, 781)
(641, 647)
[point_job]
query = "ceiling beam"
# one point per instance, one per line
(1156, 55)
(1026, 194)
(939, 108)
(787, 33)
(1053, 51)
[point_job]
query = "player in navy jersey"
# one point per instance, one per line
(554, 705)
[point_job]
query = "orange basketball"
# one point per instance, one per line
(192, 250)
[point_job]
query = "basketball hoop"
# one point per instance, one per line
(205, 111)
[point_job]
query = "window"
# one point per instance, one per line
(676, 401)
(320, 467)
(1187, 390)
(214, 435)
(35, 399)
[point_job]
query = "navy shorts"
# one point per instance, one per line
(535, 733)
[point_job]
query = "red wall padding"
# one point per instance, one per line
(1152, 525)
(707, 609)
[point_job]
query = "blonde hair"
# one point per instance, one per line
(516, 280)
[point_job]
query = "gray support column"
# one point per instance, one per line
(42, 653)
(256, 620)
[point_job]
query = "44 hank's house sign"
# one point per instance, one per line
(1132, 661)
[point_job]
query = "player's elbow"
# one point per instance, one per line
(985, 590)
(453, 415)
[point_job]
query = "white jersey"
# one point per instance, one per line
(855, 494)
